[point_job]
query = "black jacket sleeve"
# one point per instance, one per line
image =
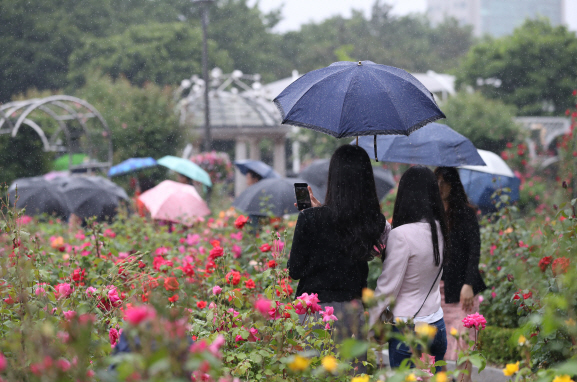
(299, 256)
(473, 248)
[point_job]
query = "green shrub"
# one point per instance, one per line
(496, 347)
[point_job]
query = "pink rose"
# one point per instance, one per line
(136, 315)
(69, 314)
(475, 320)
(263, 305)
(40, 291)
(216, 290)
(90, 291)
(63, 364)
(328, 314)
(114, 336)
(3, 362)
(63, 290)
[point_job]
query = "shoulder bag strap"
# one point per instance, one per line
(432, 286)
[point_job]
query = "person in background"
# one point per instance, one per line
(462, 281)
(413, 263)
(334, 242)
(252, 178)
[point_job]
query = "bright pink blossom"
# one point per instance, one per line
(63, 364)
(216, 290)
(63, 290)
(192, 239)
(91, 290)
(136, 315)
(3, 362)
(69, 314)
(328, 314)
(475, 320)
(263, 305)
(310, 304)
(114, 336)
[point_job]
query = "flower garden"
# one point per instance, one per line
(214, 302)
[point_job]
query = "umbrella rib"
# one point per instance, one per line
(388, 95)
(353, 78)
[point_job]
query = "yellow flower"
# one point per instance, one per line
(330, 363)
(299, 363)
(570, 322)
(441, 377)
(425, 330)
(511, 369)
(363, 378)
(410, 378)
(522, 340)
(454, 332)
(563, 378)
(368, 295)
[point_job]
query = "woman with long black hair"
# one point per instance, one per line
(462, 281)
(413, 262)
(333, 243)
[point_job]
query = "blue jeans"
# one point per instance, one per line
(398, 351)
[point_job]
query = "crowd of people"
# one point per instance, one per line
(430, 253)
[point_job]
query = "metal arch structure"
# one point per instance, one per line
(58, 108)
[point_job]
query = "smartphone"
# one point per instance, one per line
(303, 197)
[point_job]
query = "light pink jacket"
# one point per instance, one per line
(408, 272)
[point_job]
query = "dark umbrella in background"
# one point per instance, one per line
(39, 196)
(258, 167)
(317, 174)
(270, 195)
(432, 145)
(89, 196)
(349, 99)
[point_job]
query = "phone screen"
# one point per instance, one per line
(303, 197)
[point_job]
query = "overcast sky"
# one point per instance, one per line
(297, 12)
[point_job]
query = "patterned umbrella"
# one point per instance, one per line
(131, 165)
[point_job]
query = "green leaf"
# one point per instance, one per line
(351, 348)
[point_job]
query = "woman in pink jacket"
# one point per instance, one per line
(412, 266)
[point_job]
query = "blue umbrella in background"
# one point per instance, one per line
(131, 165)
(187, 168)
(481, 182)
(257, 167)
(349, 99)
(432, 145)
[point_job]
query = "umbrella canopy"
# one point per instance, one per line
(175, 202)
(256, 166)
(186, 168)
(317, 174)
(89, 196)
(61, 164)
(279, 194)
(353, 99)
(55, 174)
(432, 145)
(494, 165)
(38, 195)
(131, 165)
(480, 187)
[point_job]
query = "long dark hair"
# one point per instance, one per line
(418, 198)
(353, 203)
(458, 202)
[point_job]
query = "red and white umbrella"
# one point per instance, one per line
(176, 202)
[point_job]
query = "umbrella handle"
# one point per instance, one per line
(357, 140)
(375, 143)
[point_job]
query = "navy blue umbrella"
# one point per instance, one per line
(432, 145)
(256, 166)
(349, 99)
(131, 165)
(480, 187)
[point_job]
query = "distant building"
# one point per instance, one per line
(495, 17)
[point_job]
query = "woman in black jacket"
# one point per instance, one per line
(333, 243)
(461, 276)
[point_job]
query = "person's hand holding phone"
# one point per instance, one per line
(305, 197)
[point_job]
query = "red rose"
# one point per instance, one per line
(240, 221)
(171, 284)
(249, 284)
(173, 298)
(527, 295)
(141, 264)
(509, 145)
(216, 252)
(201, 304)
(232, 277)
(272, 264)
(544, 263)
(188, 270)
(285, 287)
(265, 247)
(560, 265)
(516, 297)
(574, 93)
(78, 274)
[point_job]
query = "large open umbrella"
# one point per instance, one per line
(481, 182)
(38, 195)
(176, 202)
(432, 145)
(317, 174)
(63, 162)
(131, 165)
(89, 196)
(260, 168)
(354, 99)
(270, 195)
(186, 168)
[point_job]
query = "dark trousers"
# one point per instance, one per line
(398, 351)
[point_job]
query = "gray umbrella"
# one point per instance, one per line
(317, 174)
(89, 196)
(38, 196)
(274, 195)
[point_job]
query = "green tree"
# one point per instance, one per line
(487, 123)
(535, 67)
(162, 53)
(22, 156)
(142, 120)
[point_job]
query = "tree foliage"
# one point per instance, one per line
(487, 123)
(536, 67)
